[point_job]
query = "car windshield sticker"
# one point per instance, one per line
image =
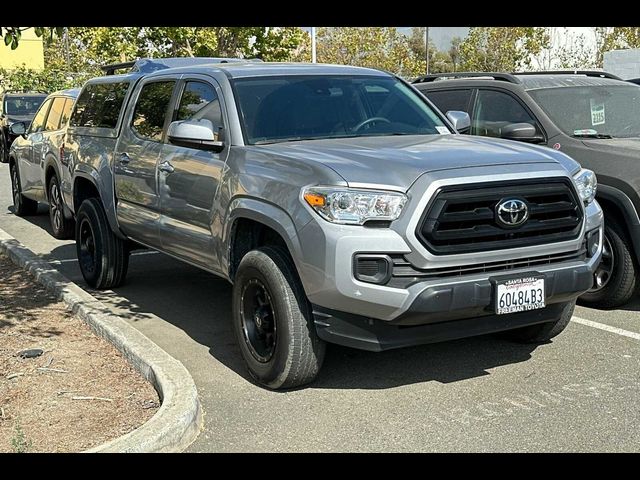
(597, 113)
(443, 130)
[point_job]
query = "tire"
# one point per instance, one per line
(4, 150)
(22, 206)
(102, 256)
(618, 260)
(542, 332)
(61, 226)
(282, 349)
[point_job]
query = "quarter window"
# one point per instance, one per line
(151, 110)
(199, 100)
(495, 110)
(66, 112)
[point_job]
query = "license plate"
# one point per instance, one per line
(519, 294)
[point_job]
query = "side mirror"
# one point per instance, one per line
(523, 132)
(195, 134)
(460, 120)
(18, 128)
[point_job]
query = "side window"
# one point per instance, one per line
(37, 124)
(447, 100)
(495, 110)
(66, 112)
(53, 120)
(199, 100)
(99, 105)
(151, 109)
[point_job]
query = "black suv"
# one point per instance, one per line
(592, 116)
(16, 107)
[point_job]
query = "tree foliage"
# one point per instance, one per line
(375, 47)
(488, 49)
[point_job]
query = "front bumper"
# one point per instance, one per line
(450, 311)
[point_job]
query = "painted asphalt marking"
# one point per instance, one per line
(68, 260)
(606, 328)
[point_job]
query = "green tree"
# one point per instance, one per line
(502, 48)
(12, 35)
(375, 47)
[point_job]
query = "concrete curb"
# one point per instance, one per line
(178, 421)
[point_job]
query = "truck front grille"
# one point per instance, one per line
(462, 218)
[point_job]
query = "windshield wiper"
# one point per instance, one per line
(592, 135)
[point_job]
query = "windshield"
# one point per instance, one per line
(27, 105)
(594, 111)
(289, 108)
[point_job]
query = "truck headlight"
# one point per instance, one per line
(587, 184)
(354, 207)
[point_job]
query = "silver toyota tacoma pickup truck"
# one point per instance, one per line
(338, 201)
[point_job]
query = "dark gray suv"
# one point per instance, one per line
(593, 117)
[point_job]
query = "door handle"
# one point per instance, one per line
(166, 167)
(124, 158)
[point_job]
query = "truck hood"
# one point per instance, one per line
(399, 160)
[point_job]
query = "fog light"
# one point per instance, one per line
(372, 268)
(593, 242)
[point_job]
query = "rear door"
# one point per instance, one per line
(45, 145)
(136, 155)
(188, 178)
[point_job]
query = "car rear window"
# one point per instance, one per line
(99, 105)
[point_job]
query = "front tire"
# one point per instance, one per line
(273, 322)
(543, 332)
(103, 257)
(61, 226)
(615, 278)
(22, 206)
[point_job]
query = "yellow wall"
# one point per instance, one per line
(29, 51)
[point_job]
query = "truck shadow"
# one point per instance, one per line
(199, 304)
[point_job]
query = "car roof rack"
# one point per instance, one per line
(588, 73)
(148, 65)
(505, 77)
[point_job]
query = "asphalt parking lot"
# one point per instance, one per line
(578, 393)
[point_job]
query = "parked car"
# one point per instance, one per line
(38, 165)
(16, 107)
(592, 116)
(338, 202)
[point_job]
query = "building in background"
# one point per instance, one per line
(30, 52)
(623, 63)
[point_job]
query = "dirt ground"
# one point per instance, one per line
(76, 395)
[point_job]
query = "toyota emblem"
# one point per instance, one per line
(512, 212)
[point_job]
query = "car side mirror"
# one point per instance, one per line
(18, 128)
(460, 120)
(195, 134)
(523, 132)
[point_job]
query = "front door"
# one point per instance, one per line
(136, 156)
(188, 179)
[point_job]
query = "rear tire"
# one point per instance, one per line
(22, 206)
(61, 226)
(621, 281)
(103, 257)
(273, 322)
(543, 332)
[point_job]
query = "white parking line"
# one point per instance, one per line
(607, 328)
(68, 260)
